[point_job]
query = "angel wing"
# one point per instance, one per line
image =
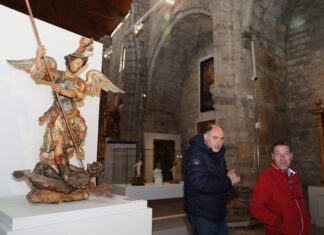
(27, 64)
(96, 80)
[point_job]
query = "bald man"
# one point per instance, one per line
(206, 180)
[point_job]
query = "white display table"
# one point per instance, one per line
(150, 191)
(118, 216)
(316, 204)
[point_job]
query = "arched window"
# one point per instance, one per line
(122, 58)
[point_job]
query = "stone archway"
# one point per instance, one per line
(179, 16)
(173, 58)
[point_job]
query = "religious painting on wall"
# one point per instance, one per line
(202, 126)
(206, 80)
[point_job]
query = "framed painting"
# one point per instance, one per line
(206, 80)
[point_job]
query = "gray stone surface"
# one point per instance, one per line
(162, 61)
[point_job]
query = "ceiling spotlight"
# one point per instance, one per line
(108, 52)
(144, 95)
(170, 2)
(138, 27)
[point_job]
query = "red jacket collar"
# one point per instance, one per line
(290, 171)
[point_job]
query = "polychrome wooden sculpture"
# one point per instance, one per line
(66, 128)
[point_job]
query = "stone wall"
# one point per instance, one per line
(233, 110)
(269, 32)
(131, 78)
(163, 62)
(176, 34)
(190, 94)
(305, 70)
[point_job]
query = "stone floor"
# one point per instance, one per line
(181, 226)
(169, 219)
(258, 230)
(166, 207)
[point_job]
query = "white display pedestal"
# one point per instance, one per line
(150, 191)
(316, 204)
(118, 216)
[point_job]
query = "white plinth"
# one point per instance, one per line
(316, 204)
(150, 191)
(118, 216)
(158, 180)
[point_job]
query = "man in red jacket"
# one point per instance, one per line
(278, 199)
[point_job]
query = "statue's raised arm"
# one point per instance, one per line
(29, 66)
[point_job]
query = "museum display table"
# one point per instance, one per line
(150, 191)
(118, 216)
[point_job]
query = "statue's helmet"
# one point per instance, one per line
(85, 48)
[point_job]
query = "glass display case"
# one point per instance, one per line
(121, 157)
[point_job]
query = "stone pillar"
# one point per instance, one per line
(233, 111)
(106, 42)
(318, 114)
(103, 112)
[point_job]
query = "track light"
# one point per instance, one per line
(108, 52)
(138, 27)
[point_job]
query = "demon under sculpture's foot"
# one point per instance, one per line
(102, 190)
(73, 183)
(47, 196)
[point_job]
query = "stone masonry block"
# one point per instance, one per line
(244, 150)
(282, 28)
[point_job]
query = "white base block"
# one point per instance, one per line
(316, 204)
(118, 216)
(150, 191)
(158, 180)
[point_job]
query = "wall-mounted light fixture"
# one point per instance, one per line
(138, 28)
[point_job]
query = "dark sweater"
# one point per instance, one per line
(205, 181)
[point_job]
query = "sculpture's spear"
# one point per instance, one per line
(56, 94)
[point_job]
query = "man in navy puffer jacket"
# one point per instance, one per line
(206, 181)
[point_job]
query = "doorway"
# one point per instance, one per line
(164, 153)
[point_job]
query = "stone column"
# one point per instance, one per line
(233, 111)
(103, 112)
(318, 115)
(106, 42)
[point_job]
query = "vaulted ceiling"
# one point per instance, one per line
(90, 18)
